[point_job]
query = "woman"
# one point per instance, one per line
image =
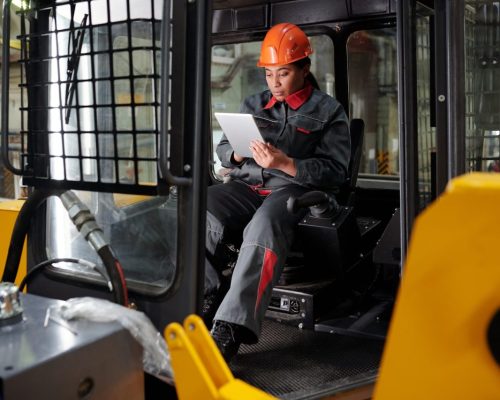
(306, 147)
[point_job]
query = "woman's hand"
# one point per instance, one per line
(238, 158)
(268, 156)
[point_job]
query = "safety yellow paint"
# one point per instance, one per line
(124, 200)
(200, 372)
(236, 389)
(13, 43)
(8, 214)
(192, 380)
(450, 290)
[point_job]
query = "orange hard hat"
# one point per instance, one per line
(284, 44)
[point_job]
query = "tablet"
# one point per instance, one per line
(240, 130)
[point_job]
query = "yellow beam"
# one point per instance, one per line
(450, 290)
(200, 372)
(8, 214)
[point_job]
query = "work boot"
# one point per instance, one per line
(212, 301)
(226, 337)
(210, 305)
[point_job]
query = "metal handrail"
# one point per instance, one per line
(165, 59)
(5, 89)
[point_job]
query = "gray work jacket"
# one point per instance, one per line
(315, 135)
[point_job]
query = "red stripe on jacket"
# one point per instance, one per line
(304, 131)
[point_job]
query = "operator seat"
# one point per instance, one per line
(356, 131)
(321, 271)
(324, 247)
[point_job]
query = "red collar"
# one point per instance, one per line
(294, 100)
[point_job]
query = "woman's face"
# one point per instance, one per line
(285, 79)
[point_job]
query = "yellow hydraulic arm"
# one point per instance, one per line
(8, 213)
(437, 346)
(200, 372)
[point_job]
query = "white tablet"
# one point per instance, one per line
(240, 130)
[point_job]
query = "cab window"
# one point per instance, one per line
(123, 148)
(373, 97)
(482, 86)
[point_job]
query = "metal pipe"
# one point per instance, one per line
(5, 88)
(455, 72)
(442, 99)
(164, 93)
(407, 104)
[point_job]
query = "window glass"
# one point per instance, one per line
(234, 76)
(482, 85)
(426, 133)
(128, 128)
(141, 232)
(373, 97)
(111, 136)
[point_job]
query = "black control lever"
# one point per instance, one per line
(320, 204)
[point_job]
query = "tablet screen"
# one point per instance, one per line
(240, 130)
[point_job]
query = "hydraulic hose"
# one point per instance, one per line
(86, 224)
(116, 275)
(84, 263)
(21, 228)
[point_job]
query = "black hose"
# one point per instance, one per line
(115, 272)
(86, 224)
(22, 226)
(79, 261)
(20, 231)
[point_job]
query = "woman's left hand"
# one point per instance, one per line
(268, 156)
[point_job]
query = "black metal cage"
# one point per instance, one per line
(90, 94)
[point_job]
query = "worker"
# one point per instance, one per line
(307, 147)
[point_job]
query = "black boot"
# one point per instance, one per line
(227, 337)
(211, 303)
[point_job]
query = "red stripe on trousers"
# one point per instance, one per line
(266, 274)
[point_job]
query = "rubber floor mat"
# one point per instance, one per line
(297, 364)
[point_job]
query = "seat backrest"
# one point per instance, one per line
(357, 129)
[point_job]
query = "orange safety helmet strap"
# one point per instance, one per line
(284, 44)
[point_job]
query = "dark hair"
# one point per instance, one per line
(310, 77)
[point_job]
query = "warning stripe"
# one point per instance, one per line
(383, 162)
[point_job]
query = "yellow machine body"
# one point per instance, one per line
(437, 346)
(8, 213)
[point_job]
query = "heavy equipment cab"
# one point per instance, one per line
(117, 100)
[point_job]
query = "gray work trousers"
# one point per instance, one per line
(236, 213)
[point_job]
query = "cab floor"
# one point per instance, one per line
(290, 363)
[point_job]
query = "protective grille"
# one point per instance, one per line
(90, 95)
